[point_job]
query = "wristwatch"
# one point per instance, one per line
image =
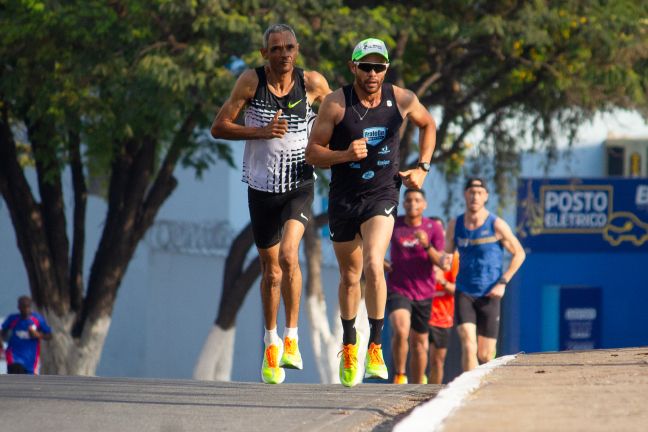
(503, 280)
(425, 166)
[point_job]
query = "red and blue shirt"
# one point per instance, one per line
(22, 348)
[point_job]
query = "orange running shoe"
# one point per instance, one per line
(349, 363)
(271, 373)
(400, 379)
(291, 357)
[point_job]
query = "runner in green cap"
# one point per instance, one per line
(357, 135)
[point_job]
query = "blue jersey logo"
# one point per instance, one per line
(383, 151)
(383, 162)
(354, 165)
(368, 175)
(374, 135)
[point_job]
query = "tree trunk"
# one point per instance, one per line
(55, 351)
(80, 325)
(215, 359)
(65, 355)
(216, 356)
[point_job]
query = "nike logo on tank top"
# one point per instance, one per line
(377, 174)
(278, 164)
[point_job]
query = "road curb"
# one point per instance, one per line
(430, 416)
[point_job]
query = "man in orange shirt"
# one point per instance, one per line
(441, 316)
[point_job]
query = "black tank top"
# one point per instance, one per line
(376, 176)
(278, 164)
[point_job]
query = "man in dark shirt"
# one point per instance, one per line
(357, 135)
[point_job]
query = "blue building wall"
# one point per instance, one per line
(584, 257)
(622, 277)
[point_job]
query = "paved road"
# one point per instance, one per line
(71, 404)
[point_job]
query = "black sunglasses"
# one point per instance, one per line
(368, 67)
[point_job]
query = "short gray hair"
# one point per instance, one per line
(277, 28)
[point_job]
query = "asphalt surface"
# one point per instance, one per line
(71, 404)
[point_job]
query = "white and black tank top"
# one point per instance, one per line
(278, 164)
(376, 176)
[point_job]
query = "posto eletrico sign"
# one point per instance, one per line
(583, 214)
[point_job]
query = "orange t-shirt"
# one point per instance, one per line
(443, 303)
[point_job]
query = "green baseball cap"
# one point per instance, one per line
(369, 46)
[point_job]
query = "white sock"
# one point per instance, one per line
(291, 333)
(271, 337)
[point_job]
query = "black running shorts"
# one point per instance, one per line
(16, 368)
(344, 225)
(482, 311)
(439, 336)
(270, 211)
(419, 310)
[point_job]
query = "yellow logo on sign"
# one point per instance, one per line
(625, 226)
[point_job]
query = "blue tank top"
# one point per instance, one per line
(480, 257)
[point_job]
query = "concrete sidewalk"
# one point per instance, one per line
(83, 404)
(602, 390)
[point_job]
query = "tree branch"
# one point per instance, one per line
(165, 183)
(25, 215)
(230, 299)
(53, 212)
(78, 236)
(509, 100)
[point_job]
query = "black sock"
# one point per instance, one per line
(349, 333)
(375, 332)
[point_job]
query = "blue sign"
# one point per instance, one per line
(580, 318)
(374, 135)
(588, 215)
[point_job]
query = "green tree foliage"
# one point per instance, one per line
(508, 70)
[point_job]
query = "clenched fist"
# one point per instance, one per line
(422, 237)
(357, 149)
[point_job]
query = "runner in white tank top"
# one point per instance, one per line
(278, 97)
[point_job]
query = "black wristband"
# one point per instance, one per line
(427, 247)
(503, 280)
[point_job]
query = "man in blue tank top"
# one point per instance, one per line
(480, 238)
(357, 135)
(277, 98)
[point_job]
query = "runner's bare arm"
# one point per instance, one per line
(225, 126)
(450, 246)
(317, 150)
(410, 107)
(434, 255)
(512, 244)
(317, 88)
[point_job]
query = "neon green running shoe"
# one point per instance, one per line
(374, 363)
(349, 363)
(271, 373)
(291, 357)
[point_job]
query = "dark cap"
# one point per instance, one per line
(408, 190)
(475, 182)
